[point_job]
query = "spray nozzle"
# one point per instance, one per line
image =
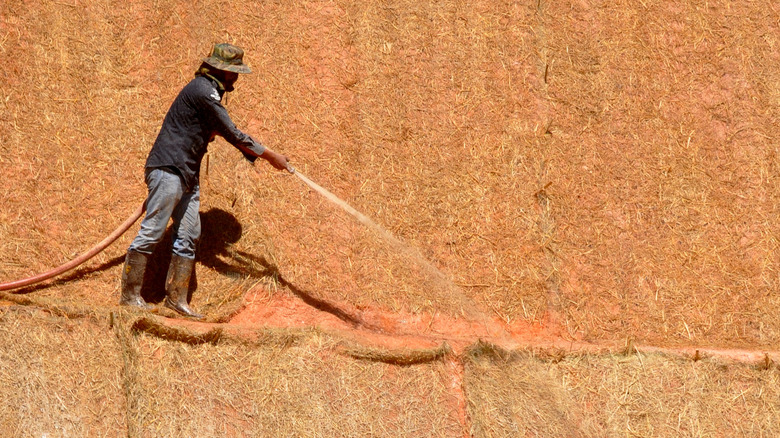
(290, 168)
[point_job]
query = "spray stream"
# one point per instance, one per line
(346, 207)
(431, 270)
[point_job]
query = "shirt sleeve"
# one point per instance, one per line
(223, 125)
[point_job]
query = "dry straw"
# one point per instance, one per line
(57, 376)
(284, 383)
(521, 392)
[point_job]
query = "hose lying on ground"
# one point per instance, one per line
(80, 259)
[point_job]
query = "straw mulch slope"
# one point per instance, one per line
(58, 377)
(606, 166)
(432, 157)
(664, 161)
(129, 374)
(521, 393)
(515, 394)
(549, 159)
(402, 110)
(73, 377)
(291, 384)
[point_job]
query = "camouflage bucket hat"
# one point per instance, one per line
(227, 57)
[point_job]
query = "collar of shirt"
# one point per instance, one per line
(218, 87)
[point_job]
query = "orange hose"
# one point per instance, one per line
(80, 259)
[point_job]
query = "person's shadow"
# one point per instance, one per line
(220, 230)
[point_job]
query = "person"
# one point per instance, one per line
(172, 176)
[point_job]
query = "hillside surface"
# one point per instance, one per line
(576, 205)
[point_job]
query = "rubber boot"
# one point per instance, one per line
(177, 286)
(132, 279)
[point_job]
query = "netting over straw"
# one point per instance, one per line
(520, 393)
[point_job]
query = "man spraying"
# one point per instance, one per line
(172, 176)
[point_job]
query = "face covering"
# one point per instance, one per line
(228, 85)
(222, 84)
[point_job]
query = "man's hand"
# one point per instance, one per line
(275, 159)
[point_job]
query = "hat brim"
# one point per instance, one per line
(219, 65)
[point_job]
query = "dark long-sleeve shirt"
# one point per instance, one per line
(194, 118)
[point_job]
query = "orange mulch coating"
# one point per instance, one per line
(563, 163)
